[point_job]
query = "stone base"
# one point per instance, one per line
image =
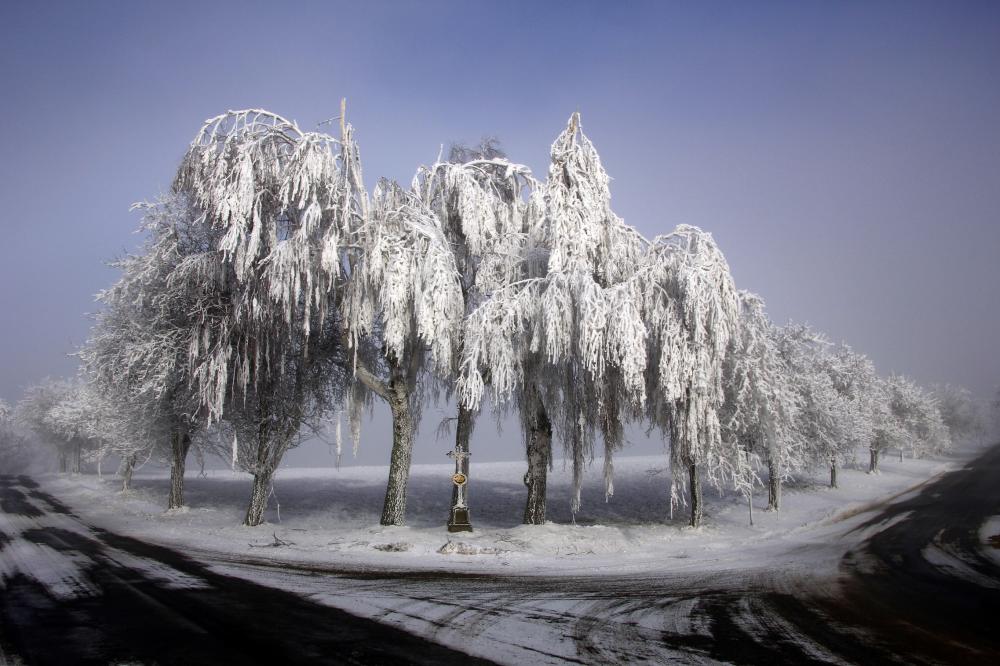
(458, 521)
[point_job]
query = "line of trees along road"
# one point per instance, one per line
(274, 293)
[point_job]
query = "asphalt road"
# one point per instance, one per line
(93, 597)
(922, 585)
(913, 586)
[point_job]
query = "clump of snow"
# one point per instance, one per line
(989, 534)
(462, 548)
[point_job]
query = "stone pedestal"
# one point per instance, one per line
(458, 521)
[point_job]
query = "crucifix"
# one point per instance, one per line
(458, 519)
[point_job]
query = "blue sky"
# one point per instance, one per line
(845, 155)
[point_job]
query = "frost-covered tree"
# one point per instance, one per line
(477, 196)
(892, 413)
(285, 203)
(828, 426)
(284, 391)
(591, 329)
(403, 298)
(960, 411)
(44, 410)
(600, 321)
(761, 407)
(82, 416)
(15, 445)
(302, 241)
(68, 420)
(854, 379)
(887, 430)
(917, 417)
(139, 349)
(71, 415)
(278, 412)
(691, 311)
(563, 339)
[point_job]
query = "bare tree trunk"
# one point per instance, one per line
(539, 451)
(873, 462)
(394, 507)
(773, 486)
(199, 456)
(696, 501)
(127, 468)
(833, 471)
(259, 493)
(459, 520)
(180, 442)
(271, 446)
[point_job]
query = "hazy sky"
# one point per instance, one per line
(846, 156)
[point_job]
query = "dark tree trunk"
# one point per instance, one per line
(259, 493)
(696, 502)
(873, 462)
(394, 507)
(539, 451)
(272, 443)
(773, 487)
(460, 517)
(833, 472)
(77, 460)
(127, 468)
(180, 442)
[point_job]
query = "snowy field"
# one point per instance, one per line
(329, 517)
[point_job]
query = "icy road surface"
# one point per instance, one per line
(913, 582)
(75, 594)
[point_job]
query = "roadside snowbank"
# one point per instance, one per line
(329, 517)
(989, 534)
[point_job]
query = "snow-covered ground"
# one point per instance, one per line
(607, 589)
(330, 517)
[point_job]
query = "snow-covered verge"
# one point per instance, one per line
(990, 536)
(330, 517)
